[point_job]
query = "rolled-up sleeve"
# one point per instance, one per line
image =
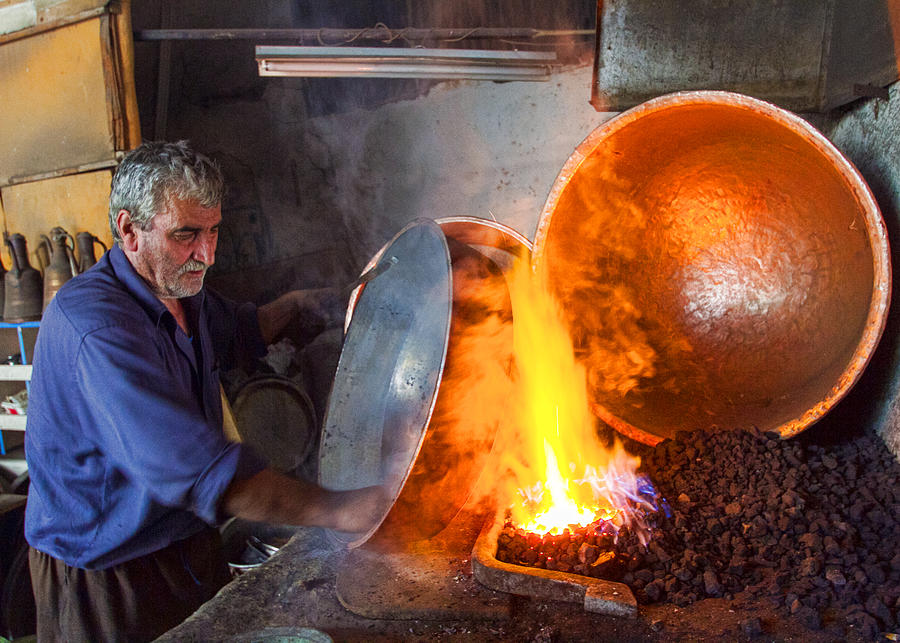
(156, 432)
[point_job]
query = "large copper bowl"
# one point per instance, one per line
(720, 264)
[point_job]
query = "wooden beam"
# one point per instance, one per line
(62, 14)
(78, 169)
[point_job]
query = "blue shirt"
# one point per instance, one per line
(124, 438)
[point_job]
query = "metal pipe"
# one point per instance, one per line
(344, 36)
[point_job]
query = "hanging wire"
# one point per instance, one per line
(362, 32)
(403, 34)
(464, 36)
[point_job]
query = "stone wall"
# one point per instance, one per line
(868, 133)
(313, 198)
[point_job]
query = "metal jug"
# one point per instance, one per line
(42, 254)
(62, 262)
(23, 287)
(85, 242)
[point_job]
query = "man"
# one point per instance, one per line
(130, 471)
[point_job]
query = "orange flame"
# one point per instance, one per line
(562, 474)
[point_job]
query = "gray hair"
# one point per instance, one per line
(153, 173)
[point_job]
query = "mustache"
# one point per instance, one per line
(191, 265)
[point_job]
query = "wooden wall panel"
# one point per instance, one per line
(53, 93)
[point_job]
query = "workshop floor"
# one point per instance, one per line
(298, 588)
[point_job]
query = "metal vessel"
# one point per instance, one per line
(389, 370)
(23, 285)
(85, 242)
(430, 443)
(62, 262)
(720, 264)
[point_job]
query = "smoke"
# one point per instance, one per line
(593, 255)
(531, 391)
(474, 400)
(510, 380)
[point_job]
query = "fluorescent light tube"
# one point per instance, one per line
(389, 62)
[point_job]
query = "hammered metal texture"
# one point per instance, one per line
(720, 264)
(389, 371)
(429, 448)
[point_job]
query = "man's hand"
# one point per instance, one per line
(323, 306)
(314, 306)
(359, 510)
(272, 497)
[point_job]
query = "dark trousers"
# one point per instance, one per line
(138, 600)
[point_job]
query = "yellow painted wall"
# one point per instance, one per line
(78, 203)
(68, 109)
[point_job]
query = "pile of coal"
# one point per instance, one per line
(811, 527)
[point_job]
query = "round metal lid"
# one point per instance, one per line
(262, 407)
(389, 371)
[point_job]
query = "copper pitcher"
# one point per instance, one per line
(85, 242)
(23, 287)
(42, 255)
(62, 262)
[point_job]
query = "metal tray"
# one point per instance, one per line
(387, 377)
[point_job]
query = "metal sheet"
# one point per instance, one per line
(475, 391)
(465, 415)
(801, 55)
(388, 374)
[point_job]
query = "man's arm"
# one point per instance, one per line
(320, 305)
(272, 497)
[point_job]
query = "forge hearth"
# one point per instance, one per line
(847, 486)
(809, 528)
(597, 595)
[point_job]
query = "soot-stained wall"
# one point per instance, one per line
(323, 172)
(868, 133)
(313, 198)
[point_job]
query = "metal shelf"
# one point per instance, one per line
(10, 422)
(16, 372)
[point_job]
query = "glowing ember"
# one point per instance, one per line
(564, 511)
(562, 475)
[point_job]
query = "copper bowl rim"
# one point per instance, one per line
(466, 228)
(875, 229)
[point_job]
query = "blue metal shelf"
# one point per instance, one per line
(18, 326)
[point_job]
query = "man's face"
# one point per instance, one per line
(177, 248)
